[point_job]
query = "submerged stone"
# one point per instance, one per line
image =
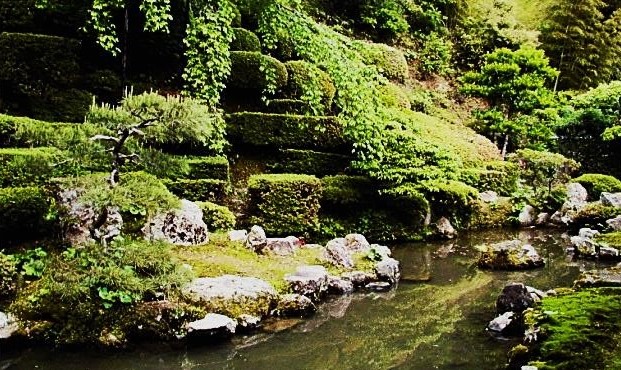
(378, 286)
(610, 277)
(212, 327)
(310, 281)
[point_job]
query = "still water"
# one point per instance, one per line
(435, 319)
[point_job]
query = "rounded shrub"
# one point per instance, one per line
(217, 217)
(308, 82)
(394, 96)
(596, 184)
(251, 70)
(244, 40)
(390, 62)
(22, 212)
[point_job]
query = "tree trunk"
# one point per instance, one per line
(125, 46)
(504, 147)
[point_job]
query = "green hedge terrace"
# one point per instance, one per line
(309, 162)
(216, 168)
(26, 167)
(199, 190)
(282, 131)
(22, 212)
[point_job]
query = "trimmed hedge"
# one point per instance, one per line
(596, 184)
(216, 168)
(285, 204)
(309, 162)
(343, 190)
(248, 71)
(217, 217)
(449, 198)
(244, 40)
(287, 106)
(22, 212)
(390, 62)
(304, 76)
(286, 131)
(501, 177)
(26, 167)
(199, 189)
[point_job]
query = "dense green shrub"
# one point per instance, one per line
(452, 199)
(435, 55)
(310, 84)
(24, 167)
(491, 215)
(199, 189)
(288, 106)
(111, 282)
(596, 184)
(309, 162)
(244, 40)
(253, 70)
(543, 170)
(501, 177)
(393, 96)
(285, 131)
(390, 62)
(285, 204)
(594, 215)
(343, 191)
(216, 168)
(23, 212)
(217, 217)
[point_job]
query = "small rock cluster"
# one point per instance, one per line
(509, 255)
(514, 299)
(584, 245)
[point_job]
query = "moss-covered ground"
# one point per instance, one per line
(221, 256)
(581, 330)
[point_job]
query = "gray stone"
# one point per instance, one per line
(382, 251)
(213, 326)
(388, 270)
(246, 323)
(378, 286)
(542, 219)
(576, 193)
(509, 255)
(230, 290)
(502, 323)
(281, 246)
(614, 223)
(358, 278)
(8, 326)
(514, 297)
(445, 229)
(339, 286)
(310, 281)
(527, 216)
(256, 239)
(610, 277)
(294, 305)
(587, 233)
(576, 200)
(527, 367)
(337, 253)
(536, 294)
(611, 199)
(238, 235)
(489, 196)
(356, 243)
(183, 226)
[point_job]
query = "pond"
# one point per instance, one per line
(435, 319)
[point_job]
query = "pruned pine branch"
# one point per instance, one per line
(104, 138)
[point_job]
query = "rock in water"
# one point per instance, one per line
(310, 281)
(358, 278)
(212, 327)
(514, 297)
(256, 239)
(388, 270)
(610, 277)
(378, 286)
(295, 305)
(256, 295)
(339, 286)
(611, 199)
(502, 324)
(183, 227)
(614, 223)
(527, 216)
(337, 253)
(246, 323)
(509, 255)
(445, 229)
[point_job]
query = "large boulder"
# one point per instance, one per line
(82, 224)
(294, 305)
(256, 238)
(514, 297)
(310, 281)
(614, 223)
(527, 216)
(356, 243)
(249, 295)
(212, 327)
(337, 253)
(388, 270)
(585, 245)
(611, 199)
(509, 255)
(576, 200)
(8, 326)
(183, 226)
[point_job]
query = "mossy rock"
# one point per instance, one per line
(249, 70)
(594, 215)
(285, 204)
(282, 131)
(596, 184)
(509, 255)
(244, 40)
(389, 61)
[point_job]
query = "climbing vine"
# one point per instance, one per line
(208, 37)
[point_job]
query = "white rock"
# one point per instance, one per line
(611, 199)
(184, 226)
(213, 325)
(238, 235)
(527, 215)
